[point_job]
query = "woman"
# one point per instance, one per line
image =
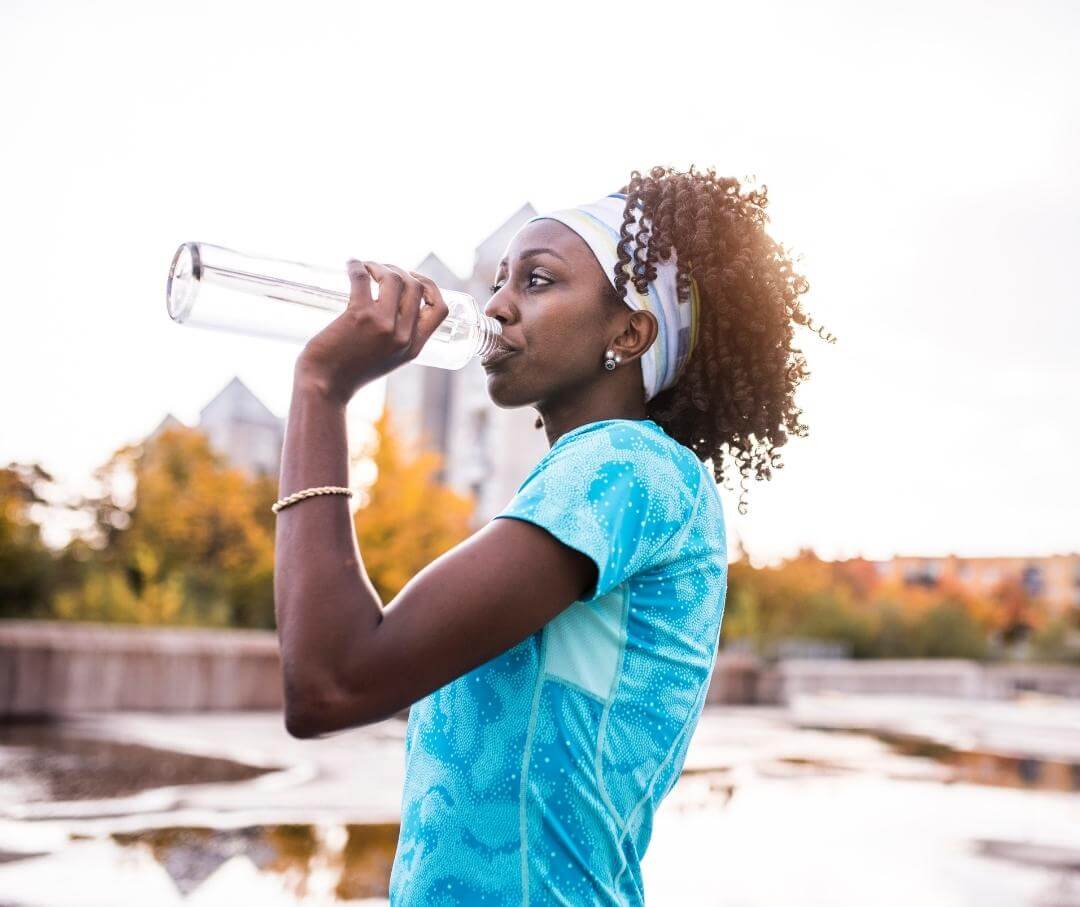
(556, 661)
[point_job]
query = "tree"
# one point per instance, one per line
(191, 543)
(1015, 613)
(408, 518)
(26, 564)
(950, 630)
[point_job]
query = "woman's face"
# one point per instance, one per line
(553, 301)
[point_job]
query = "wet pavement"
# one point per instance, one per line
(49, 761)
(835, 800)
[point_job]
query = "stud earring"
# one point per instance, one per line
(611, 360)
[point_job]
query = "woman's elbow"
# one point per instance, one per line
(317, 712)
(300, 725)
(303, 716)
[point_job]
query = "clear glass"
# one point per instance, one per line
(214, 287)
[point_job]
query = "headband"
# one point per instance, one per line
(599, 224)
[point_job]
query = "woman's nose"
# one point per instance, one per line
(499, 307)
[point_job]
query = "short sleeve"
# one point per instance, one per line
(619, 493)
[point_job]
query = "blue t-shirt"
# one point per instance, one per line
(533, 778)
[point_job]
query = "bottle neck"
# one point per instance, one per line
(487, 335)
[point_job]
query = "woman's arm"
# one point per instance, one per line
(346, 659)
(323, 599)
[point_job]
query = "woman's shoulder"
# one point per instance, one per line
(619, 436)
(677, 489)
(639, 441)
(587, 462)
(674, 469)
(622, 490)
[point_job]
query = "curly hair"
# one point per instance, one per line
(733, 404)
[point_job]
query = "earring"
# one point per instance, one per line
(611, 360)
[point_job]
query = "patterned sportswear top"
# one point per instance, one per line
(533, 778)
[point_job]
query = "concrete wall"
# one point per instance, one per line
(956, 678)
(49, 668)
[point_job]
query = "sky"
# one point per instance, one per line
(920, 158)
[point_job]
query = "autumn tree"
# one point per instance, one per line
(408, 518)
(805, 597)
(799, 598)
(179, 537)
(1016, 613)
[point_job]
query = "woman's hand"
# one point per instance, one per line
(372, 336)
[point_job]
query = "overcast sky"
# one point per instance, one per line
(922, 160)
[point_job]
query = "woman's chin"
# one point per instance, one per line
(502, 391)
(497, 390)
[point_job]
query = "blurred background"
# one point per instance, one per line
(894, 712)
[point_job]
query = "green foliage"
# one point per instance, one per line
(27, 574)
(949, 630)
(1057, 640)
(824, 615)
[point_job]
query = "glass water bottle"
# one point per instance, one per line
(214, 287)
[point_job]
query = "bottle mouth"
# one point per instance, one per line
(183, 283)
(490, 334)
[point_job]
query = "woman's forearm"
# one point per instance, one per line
(324, 602)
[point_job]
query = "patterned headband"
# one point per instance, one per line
(599, 224)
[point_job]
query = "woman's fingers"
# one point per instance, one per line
(400, 308)
(360, 282)
(391, 284)
(408, 306)
(430, 316)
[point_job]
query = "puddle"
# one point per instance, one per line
(1064, 859)
(348, 862)
(42, 762)
(755, 791)
(977, 766)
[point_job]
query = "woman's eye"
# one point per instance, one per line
(495, 287)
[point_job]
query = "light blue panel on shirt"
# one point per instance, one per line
(583, 642)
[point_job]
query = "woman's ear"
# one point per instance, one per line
(639, 334)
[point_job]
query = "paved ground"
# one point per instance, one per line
(766, 813)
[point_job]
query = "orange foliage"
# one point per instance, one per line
(409, 519)
(847, 602)
(195, 546)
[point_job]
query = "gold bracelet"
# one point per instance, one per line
(309, 493)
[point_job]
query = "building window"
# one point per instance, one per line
(924, 573)
(1033, 581)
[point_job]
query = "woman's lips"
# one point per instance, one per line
(497, 355)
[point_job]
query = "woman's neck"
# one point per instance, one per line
(559, 420)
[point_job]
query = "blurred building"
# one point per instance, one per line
(1054, 579)
(241, 428)
(486, 451)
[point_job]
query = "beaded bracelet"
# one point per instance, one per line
(309, 493)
